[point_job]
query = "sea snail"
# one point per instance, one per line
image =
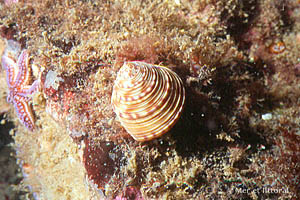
(148, 99)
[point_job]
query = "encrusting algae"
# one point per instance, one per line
(238, 62)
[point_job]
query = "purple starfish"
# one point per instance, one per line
(10, 2)
(18, 79)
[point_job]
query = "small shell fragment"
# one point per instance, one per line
(148, 99)
(267, 116)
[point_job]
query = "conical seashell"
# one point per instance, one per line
(148, 99)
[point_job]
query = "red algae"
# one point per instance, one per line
(102, 162)
(285, 165)
(130, 193)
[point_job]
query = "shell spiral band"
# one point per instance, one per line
(148, 99)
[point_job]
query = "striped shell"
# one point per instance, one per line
(148, 99)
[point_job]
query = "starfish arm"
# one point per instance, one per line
(24, 111)
(18, 79)
(24, 74)
(28, 90)
(11, 69)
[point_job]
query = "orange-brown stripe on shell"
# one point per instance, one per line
(148, 99)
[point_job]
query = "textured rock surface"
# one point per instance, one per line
(222, 147)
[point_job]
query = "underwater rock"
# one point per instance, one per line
(102, 161)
